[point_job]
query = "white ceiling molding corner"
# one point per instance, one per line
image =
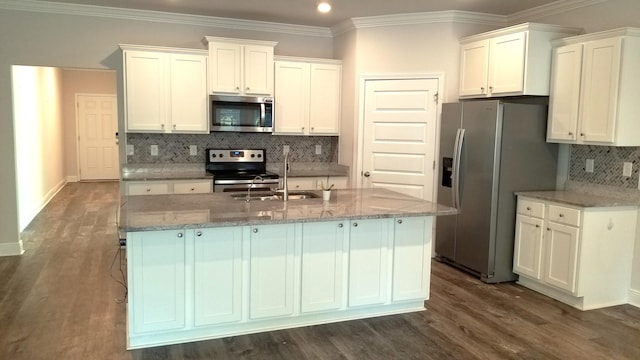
(428, 18)
(164, 17)
(553, 8)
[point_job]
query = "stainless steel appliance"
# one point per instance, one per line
(488, 150)
(241, 113)
(236, 170)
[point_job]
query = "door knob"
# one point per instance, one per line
(367, 174)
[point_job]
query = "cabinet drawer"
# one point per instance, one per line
(564, 215)
(193, 187)
(147, 188)
(530, 208)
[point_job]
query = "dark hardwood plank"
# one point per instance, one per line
(59, 301)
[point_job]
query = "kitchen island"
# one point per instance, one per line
(203, 266)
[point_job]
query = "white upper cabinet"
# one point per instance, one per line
(307, 96)
(165, 89)
(594, 89)
(508, 62)
(243, 67)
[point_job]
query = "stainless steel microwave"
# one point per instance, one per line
(241, 113)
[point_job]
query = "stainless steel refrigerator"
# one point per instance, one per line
(488, 150)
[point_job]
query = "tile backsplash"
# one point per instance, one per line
(608, 162)
(174, 148)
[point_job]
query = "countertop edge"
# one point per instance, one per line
(580, 199)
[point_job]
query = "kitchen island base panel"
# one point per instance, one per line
(220, 331)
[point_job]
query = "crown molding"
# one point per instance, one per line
(419, 18)
(553, 8)
(163, 17)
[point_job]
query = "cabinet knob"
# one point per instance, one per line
(570, 133)
(174, 126)
(582, 134)
(199, 233)
(561, 215)
(482, 90)
(247, 89)
(180, 235)
(340, 225)
(490, 88)
(312, 128)
(255, 230)
(193, 189)
(528, 208)
(537, 225)
(399, 221)
(355, 224)
(548, 229)
(162, 126)
(148, 190)
(303, 128)
(238, 88)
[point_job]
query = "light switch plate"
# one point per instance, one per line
(154, 150)
(130, 150)
(285, 149)
(193, 150)
(318, 149)
(589, 166)
(627, 168)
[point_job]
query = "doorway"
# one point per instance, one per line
(97, 121)
(399, 135)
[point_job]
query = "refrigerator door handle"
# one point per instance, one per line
(457, 151)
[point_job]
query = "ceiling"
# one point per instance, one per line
(303, 12)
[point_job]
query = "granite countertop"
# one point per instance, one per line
(142, 172)
(163, 212)
(580, 198)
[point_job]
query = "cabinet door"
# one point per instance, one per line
(322, 266)
(564, 96)
(527, 252)
(599, 96)
(368, 263)
(324, 99)
(258, 70)
(271, 274)
(156, 280)
(507, 63)
(225, 67)
(188, 93)
(145, 86)
(561, 255)
(292, 94)
(193, 187)
(474, 68)
(217, 275)
(411, 258)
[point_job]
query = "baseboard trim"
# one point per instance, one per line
(11, 249)
(73, 178)
(634, 297)
(45, 200)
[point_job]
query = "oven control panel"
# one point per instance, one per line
(235, 155)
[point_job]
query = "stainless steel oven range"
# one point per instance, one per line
(236, 170)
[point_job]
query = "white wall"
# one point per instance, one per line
(39, 141)
(74, 41)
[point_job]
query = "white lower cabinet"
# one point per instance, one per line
(205, 283)
(217, 274)
(369, 242)
(315, 183)
(581, 256)
(323, 261)
(272, 271)
(161, 187)
(156, 274)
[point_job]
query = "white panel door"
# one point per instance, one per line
(271, 274)
(258, 70)
(561, 252)
(322, 265)
(292, 94)
(218, 275)
(145, 86)
(474, 68)
(226, 67)
(368, 261)
(400, 135)
(507, 63)
(411, 258)
(97, 140)
(324, 99)
(564, 96)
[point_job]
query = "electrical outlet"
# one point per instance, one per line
(318, 149)
(154, 150)
(589, 166)
(130, 150)
(627, 168)
(193, 150)
(285, 149)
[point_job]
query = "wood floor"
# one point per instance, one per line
(58, 301)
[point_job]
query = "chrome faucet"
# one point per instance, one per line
(258, 177)
(285, 185)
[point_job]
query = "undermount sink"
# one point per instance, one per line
(293, 195)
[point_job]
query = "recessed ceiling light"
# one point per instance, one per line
(324, 7)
